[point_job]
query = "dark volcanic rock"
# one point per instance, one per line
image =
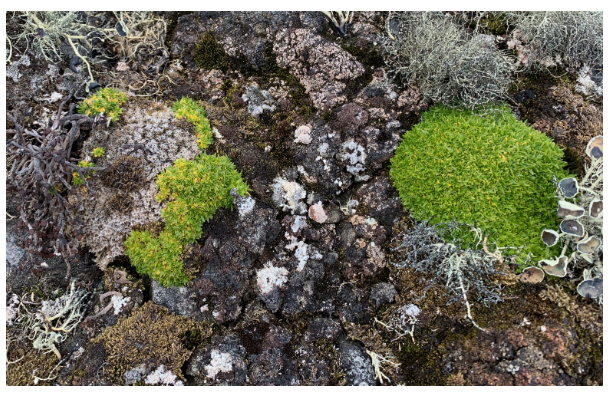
(356, 364)
(222, 361)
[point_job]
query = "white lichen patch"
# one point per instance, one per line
(221, 362)
(300, 254)
(270, 278)
(118, 302)
(303, 134)
(287, 195)
(300, 222)
(162, 376)
(55, 96)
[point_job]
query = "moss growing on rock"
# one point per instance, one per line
(195, 190)
(210, 55)
(491, 169)
(151, 336)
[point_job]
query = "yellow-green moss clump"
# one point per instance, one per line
(195, 190)
(195, 114)
(31, 364)
(151, 336)
(107, 101)
(76, 180)
(492, 170)
(98, 152)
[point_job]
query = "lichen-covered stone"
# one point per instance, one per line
(222, 361)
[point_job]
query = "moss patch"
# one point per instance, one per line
(210, 55)
(491, 169)
(33, 364)
(151, 336)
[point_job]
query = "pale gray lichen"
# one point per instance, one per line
(288, 195)
(448, 64)
(436, 251)
(270, 278)
(220, 362)
(48, 326)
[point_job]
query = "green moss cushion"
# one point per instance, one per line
(489, 169)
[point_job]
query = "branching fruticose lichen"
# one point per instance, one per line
(448, 64)
(49, 324)
(436, 251)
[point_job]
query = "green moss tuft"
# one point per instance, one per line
(195, 190)
(492, 170)
(107, 101)
(196, 115)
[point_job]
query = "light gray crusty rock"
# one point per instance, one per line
(356, 364)
(163, 139)
(179, 300)
(383, 293)
(322, 67)
(258, 100)
(14, 253)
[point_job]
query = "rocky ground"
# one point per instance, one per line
(294, 286)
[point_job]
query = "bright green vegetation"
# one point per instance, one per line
(97, 152)
(195, 114)
(195, 190)
(107, 101)
(492, 170)
(76, 180)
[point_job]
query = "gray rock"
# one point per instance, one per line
(242, 34)
(381, 200)
(333, 213)
(221, 362)
(178, 300)
(356, 364)
(272, 367)
(383, 293)
(313, 368)
(14, 253)
(322, 328)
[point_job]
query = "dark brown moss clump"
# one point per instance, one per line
(126, 173)
(151, 336)
(210, 55)
(120, 203)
